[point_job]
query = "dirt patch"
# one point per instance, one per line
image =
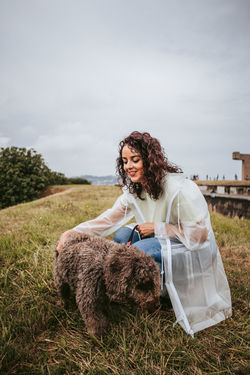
(53, 190)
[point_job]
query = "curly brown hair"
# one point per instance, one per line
(155, 164)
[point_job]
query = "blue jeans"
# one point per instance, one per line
(151, 246)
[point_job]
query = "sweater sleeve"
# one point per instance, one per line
(109, 221)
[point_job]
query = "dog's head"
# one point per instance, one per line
(132, 277)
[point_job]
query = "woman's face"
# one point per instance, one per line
(132, 164)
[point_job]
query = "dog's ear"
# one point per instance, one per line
(115, 266)
(115, 261)
(115, 277)
(145, 273)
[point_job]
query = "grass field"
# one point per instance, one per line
(40, 337)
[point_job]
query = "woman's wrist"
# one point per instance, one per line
(163, 229)
(160, 229)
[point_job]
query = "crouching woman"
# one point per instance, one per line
(173, 226)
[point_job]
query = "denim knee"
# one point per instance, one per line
(152, 247)
(123, 234)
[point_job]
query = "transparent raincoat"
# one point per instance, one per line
(192, 270)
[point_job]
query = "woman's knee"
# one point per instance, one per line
(122, 235)
(150, 246)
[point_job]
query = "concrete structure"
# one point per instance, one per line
(245, 164)
(229, 205)
(231, 198)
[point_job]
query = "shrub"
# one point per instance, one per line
(57, 178)
(23, 175)
(78, 180)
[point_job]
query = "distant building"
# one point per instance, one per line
(245, 164)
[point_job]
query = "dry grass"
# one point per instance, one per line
(39, 337)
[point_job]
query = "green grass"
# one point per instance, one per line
(40, 337)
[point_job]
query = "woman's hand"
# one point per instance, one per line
(62, 239)
(146, 229)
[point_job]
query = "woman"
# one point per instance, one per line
(149, 181)
(167, 208)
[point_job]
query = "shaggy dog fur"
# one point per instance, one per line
(99, 271)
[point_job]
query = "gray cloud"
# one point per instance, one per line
(77, 76)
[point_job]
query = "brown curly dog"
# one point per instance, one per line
(99, 271)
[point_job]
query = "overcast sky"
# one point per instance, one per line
(76, 76)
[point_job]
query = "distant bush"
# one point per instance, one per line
(57, 178)
(23, 175)
(78, 180)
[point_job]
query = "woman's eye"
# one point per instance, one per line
(133, 160)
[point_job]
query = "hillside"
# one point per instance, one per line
(41, 337)
(101, 180)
